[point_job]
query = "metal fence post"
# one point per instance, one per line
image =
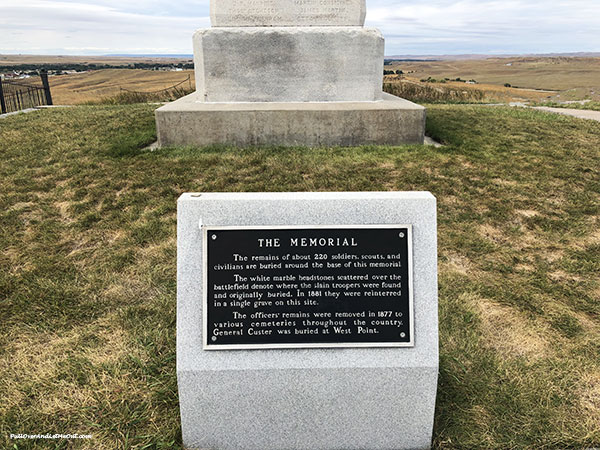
(44, 76)
(2, 102)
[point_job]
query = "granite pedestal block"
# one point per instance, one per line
(392, 121)
(288, 64)
(350, 398)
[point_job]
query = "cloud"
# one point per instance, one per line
(415, 27)
(487, 26)
(73, 27)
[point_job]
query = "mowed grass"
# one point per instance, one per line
(88, 248)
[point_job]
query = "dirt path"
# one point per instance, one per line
(581, 113)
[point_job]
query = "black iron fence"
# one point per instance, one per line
(16, 95)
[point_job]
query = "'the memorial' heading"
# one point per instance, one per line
(310, 242)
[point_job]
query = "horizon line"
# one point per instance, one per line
(405, 55)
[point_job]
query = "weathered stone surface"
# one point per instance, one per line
(352, 398)
(257, 13)
(289, 64)
(393, 121)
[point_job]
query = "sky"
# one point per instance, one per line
(413, 27)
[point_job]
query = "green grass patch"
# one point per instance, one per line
(88, 251)
(590, 106)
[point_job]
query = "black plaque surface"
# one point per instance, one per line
(290, 287)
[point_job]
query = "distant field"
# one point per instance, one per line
(109, 60)
(577, 77)
(534, 79)
(102, 84)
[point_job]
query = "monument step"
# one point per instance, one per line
(190, 122)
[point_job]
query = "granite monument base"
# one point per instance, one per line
(317, 398)
(391, 121)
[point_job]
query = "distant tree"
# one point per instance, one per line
(399, 72)
(507, 85)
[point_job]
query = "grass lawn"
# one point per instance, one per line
(87, 286)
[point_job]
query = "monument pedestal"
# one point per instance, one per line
(390, 121)
(288, 64)
(289, 73)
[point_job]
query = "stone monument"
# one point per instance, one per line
(307, 320)
(289, 72)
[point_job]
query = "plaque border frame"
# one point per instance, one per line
(207, 346)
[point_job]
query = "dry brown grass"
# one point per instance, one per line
(589, 397)
(101, 84)
(69, 59)
(511, 333)
(579, 76)
(481, 92)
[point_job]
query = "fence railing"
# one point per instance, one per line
(19, 95)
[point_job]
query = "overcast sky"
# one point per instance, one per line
(417, 27)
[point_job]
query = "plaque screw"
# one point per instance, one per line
(401, 235)
(214, 338)
(401, 335)
(214, 237)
